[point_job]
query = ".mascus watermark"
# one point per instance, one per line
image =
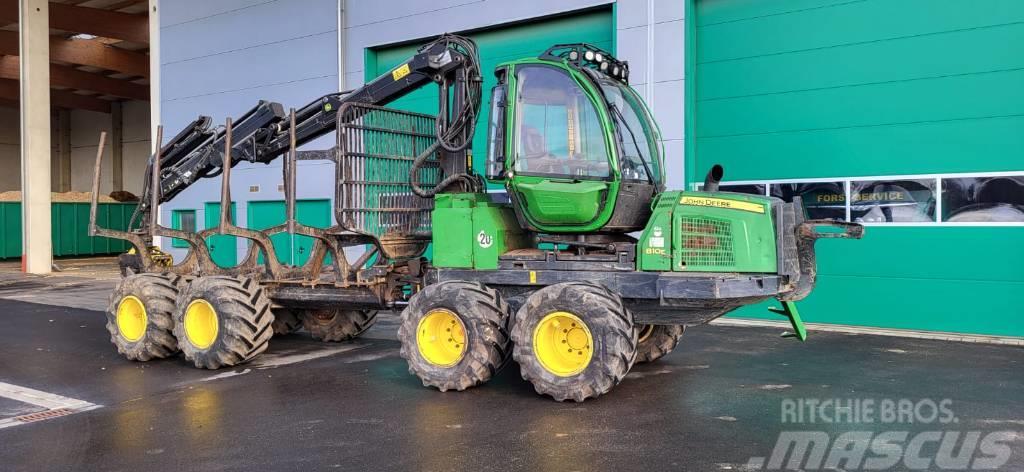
(819, 440)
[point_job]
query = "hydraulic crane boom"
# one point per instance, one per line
(262, 133)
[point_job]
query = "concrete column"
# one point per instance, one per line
(154, 91)
(117, 145)
(34, 49)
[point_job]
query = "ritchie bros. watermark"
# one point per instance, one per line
(882, 434)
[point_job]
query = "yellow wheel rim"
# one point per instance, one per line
(441, 337)
(131, 318)
(201, 323)
(563, 344)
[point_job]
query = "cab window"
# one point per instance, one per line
(558, 131)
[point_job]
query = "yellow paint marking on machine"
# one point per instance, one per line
(400, 72)
(722, 203)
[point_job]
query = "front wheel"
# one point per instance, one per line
(574, 340)
(140, 316)
(454, 334)
(223, 321)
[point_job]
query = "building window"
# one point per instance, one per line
(821, 200)
(184, 220)
(891, 201)
(996, 197)
(983, 199)
(750, 189)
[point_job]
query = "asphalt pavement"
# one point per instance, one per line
(717, 403)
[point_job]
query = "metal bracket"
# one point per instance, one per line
(789, 311)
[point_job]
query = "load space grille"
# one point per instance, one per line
(377, 149)
(706, 242)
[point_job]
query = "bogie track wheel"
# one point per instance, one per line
(140, 316)
(656, 341)
(454, 334)
(574, 340)
(222, 321)
(336, 324)
(286, 320)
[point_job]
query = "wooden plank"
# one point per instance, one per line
(69, 77)
(9, 94)
(86, 53)
(109, 24)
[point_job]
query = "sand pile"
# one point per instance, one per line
(57, 197)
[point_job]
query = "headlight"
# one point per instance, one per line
(589, 55)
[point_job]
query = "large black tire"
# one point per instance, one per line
(157, 294)
(611, 330)
(286, 320)
(655, 341)
(335, 325)
(484, 316)
(242, 317)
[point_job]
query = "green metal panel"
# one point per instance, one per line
(954, 279)
(709, 232)
(316, 213)
(290, 250)
(266, 214)
(10, 229)
(833, 88)
(453, 230)
(223, 248)
(69, 228)
(876, 87)
(497, 45)
(475, 231)
(559, 202)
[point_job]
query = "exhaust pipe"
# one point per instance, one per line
(713, 178)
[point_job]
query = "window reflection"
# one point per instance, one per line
(882, 201)
(821, 200)
(983, 199)
(558, 131)
(750, 189)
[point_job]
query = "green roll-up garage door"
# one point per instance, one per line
(496, 45)
(917, 89)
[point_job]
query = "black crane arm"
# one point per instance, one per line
(262, 133)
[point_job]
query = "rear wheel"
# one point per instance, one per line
(140, 316)
(655, 341)
(337, 324)
(454, 334)
(574, 340)
(222, 321)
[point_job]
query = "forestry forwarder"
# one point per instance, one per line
(583, 266)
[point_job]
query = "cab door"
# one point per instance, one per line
(560, 162)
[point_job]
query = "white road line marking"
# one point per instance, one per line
(277, 360)
(50, 401)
